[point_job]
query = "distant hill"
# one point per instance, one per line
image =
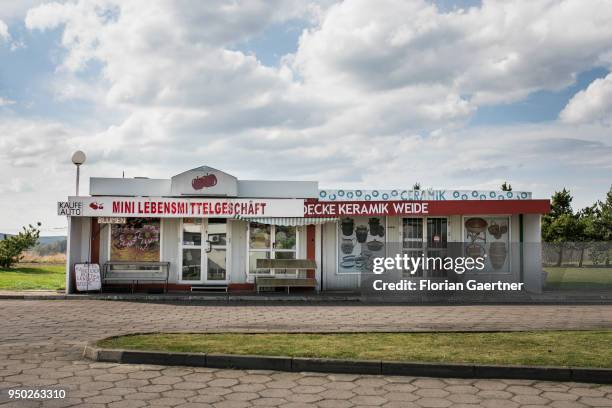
(41, 240)
(50, 240)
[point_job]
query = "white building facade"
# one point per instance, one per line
(211, 228)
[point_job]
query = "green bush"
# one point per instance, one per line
(12, 247)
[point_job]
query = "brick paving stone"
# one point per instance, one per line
(464, 399)
(499, 403)
(432, 392)
(597, 402)
(559, 396)
(530, 400)
(401, 396)
(340, 385)
(523, 390)
(568, 404)
(334, 404)
(222, 382)
(268, 402)
(41, 342)
(433, 402)
(281, 384)
(337, 394)
(400, 404)
(587, 392)
(306, 398)
(275, 393)
(368, 400)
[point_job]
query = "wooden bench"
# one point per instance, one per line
(135, 272)
(285, 282)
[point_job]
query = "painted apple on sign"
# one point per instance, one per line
(207, 180)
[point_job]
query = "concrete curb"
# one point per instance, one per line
(308, 299)
(369, 367)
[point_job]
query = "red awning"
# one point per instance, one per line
(316, 209)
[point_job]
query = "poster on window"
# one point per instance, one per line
(361, 239)
(489, 237)
(136, 240)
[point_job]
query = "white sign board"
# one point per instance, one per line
(166, 207)
(87, 277)
(112, 220)
(69, 208)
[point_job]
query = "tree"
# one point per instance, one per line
(600, 230)
(604, 221)
(561, 225)
(11, 248)
(564, 231)
(506, 186)
(561, 203)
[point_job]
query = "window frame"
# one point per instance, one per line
(338, 227)
(271, 249)
(510, 242)
(204, 255)
(161, 238)
(425, 247)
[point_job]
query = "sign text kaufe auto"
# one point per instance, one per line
(336, 209)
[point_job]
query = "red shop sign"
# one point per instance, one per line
(317, 209)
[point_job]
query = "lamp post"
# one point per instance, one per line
(78, 158)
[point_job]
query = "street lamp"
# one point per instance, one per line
(78, 158)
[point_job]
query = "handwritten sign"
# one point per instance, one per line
(87, 277)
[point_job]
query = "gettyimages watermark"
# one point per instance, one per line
(448, 271)
(412, 265)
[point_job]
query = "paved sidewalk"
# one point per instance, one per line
(41, 344)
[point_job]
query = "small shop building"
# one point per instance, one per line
(204, 229)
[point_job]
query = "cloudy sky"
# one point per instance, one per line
(450, 93)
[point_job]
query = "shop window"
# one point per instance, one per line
(136, 240)
(360, 240)
(488, 237)
(270, 242)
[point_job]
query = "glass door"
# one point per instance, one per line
(425, 236)
(204, 247)
(191, 250)
(437, 243)
(412, 241)
(216, 253)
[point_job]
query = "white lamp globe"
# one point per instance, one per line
(78, 157)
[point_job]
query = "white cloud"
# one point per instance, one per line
(14, 10)
(6, 102)
(591, 105)
(377, 93)
(499, 52)
(4, 33)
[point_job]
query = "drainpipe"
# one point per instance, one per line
(521, 237)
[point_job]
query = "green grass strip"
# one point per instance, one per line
(546, 348)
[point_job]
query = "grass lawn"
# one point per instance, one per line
(33, 276)
(578, 278)
(559, 348)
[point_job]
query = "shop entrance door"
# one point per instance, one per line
(204, 248)
(428, 237)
